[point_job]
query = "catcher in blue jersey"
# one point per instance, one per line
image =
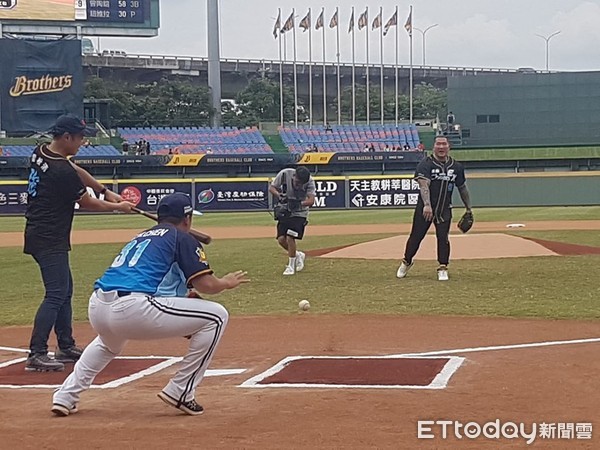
(142, 296)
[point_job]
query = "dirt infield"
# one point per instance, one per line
(15, 239)
(555, 384)
(553, 380)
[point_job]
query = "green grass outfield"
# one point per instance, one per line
(544, 287)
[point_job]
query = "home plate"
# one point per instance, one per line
(515, 225)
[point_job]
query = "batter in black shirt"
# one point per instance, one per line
(55, 185)
(437, 176)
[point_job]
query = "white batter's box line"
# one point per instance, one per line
(439, 382)
(500, 347)
(167, 361)
(26, 350)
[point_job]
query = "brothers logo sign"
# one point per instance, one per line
(44, 85)
(39, 81)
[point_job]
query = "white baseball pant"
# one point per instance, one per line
(142, 317)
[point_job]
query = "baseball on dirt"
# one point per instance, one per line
(304, 305)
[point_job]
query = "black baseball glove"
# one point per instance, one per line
(466, 222)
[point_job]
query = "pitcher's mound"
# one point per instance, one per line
(468, 246)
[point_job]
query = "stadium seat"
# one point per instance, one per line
(348, 137)
(200, 140)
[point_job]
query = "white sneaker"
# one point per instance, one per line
(403, 269)
(300, 257)
(289, 270)
(442, 273)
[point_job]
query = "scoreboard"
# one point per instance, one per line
(117, 11)
(111, 10)
(97, 17)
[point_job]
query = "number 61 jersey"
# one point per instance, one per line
(160, 262)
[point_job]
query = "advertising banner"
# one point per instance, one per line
(331, 193)
(378, 192)
(13, 198)
(146, 194)
(221, 195)
(39, 81)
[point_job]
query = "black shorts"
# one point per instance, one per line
(292, 226)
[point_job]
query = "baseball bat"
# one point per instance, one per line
(200, 237)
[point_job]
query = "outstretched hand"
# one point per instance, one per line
(234, 279)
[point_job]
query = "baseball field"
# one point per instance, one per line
(510, 337)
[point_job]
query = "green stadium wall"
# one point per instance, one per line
(527, 109)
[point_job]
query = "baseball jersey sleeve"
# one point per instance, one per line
(423, 169)
(190, 257)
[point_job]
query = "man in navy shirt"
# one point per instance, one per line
(142, 296)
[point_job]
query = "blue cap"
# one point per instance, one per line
(177, 205)
(70, 123)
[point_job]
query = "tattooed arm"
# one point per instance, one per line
(426, 196)
(465, 196)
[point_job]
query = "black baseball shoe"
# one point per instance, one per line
(68, 355)
(62, 410)
(43, 363)
(190, 407)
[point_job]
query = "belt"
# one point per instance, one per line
(123, 293)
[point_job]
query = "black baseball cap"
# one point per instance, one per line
(70, 123)
(177, 205)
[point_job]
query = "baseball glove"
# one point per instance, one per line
(466, 222)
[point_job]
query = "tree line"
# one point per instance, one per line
(182, 103)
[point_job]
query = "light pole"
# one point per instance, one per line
(423, 33)
(547, 39)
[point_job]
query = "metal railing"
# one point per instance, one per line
(166, 59)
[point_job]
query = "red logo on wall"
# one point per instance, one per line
(132, 194)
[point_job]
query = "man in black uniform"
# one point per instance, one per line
(55, 185)
(437, 175)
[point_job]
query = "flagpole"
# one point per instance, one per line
(381, 57)
(324, 73)
(310, 86)
(396, 67)
(280, 78)
(353, 73)
(295, 71)
(411, 67)
(284, 46)
(339, 91)
(368, 88)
